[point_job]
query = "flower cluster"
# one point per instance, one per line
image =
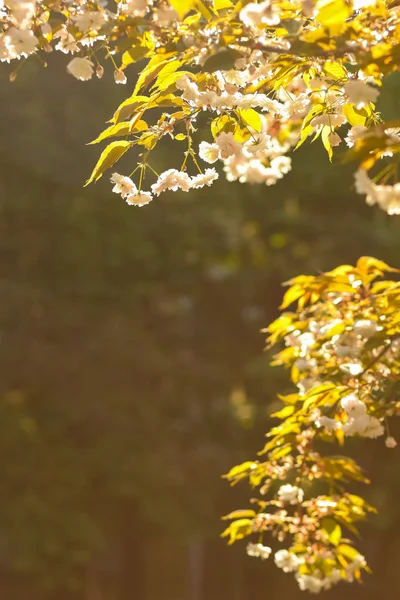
(169, 180)
(385, 196)
(291, 494)
(342, 346)
(244, 84)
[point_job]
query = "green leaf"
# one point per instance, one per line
(108, 157)
(333, 530)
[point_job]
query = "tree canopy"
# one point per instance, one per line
(240, 84)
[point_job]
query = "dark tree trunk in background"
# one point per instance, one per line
(93, 588)
(196, 570)
(133, 567)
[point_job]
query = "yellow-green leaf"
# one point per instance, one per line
(368, 263)
(291, 295)
(128, 107)
(304, 134)
(152, 69)
(347, 551)
(326, 131)
(113, 131)
(251, 118)
(237, 530)
(203, 10)
(286, 411)
(182, 7)
(223, 123)
(332, 14)
(158, 101)
(134, 54)
(164, 78)
(108, 157)
(353, 115)
(120, 129)
(221, 4)
(335, 70)
(332, 529)
(240, 514)
(241, 470)
(148, 140)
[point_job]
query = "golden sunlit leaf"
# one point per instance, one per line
(332, 14)
(108, 157)
(251, 118)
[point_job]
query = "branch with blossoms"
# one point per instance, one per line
(243, 84)
(342, 347)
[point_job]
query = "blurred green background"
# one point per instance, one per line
(132, 367)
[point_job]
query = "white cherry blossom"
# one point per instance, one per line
(203, 179)
(123, 185)
(139, 198)
(360, 93)
(81, 68)
(209, 152)
(172, 180)
(227, 145)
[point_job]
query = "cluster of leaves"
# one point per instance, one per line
(272, 75)
(343, 352)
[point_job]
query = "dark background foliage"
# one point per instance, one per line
(132, 367)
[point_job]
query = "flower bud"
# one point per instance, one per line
(99, 71)
(119, 76)
(390, 442)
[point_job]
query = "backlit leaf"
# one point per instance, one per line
(332, 529)
(108, 157)
(251, 118)
(332, 14)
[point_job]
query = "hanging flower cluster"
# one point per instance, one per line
(240, 84)
(342, 347)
